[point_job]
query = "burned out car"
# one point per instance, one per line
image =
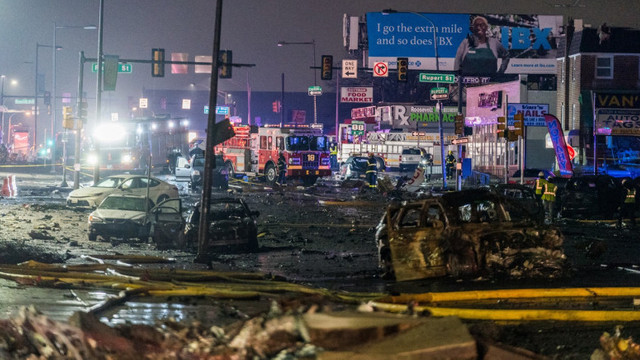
(232, 226)
(465, 233)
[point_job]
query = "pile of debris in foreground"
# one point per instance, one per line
(311, 334)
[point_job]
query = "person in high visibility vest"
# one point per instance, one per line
(372, 172)
(539, 185)
(628, 204)
(333, 153)
(549, 201)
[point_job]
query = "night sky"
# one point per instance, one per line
(250, 28)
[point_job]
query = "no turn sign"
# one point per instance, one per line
(380, 69)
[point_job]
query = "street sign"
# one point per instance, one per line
(438, 78)
(349, 69)
(315, 90)
(143, 103)
(222, 110)
(380, 69)
(20, 101)
(357, 128)
(458, 141)
(122, 68)
(439, 96)
(439, 90)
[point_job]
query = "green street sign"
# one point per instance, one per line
(357, 128)
(315, 90)
(122, 68)
(438, 78)
(439, 90)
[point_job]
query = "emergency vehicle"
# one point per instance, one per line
(254, 151)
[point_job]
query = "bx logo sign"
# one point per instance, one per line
(521, 38)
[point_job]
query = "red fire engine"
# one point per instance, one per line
(254, 150)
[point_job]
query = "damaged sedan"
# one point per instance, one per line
(462, 234)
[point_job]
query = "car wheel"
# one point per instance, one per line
(162, 198)
(230, 171)
(270, 174)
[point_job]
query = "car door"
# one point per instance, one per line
(183, 169)
(415, 235)
(168, 224)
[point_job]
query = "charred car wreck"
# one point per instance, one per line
(465, 233)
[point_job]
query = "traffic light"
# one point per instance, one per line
(47, 98)
(403, 69)
(82, 110)
(459, 125)
(518, 124)
(327, 67)
(157, 62)
(502, 125)
(67, 117)
(224, 64)
(276, 106)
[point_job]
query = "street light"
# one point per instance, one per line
(315, 76)
(54, 98)
(35, 102)
(438, 104)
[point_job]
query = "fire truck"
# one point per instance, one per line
(254, 151)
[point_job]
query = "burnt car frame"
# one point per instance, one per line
(521, 202)
(232, 226)
(465, 233)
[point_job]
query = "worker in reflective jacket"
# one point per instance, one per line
(333, 153)
(372, 171)
(282, 170)
(549, 201)
(628, 204)
(450, 164)
(539, 186)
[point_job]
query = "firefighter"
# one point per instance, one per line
(627, 204)
(549, 190)
(539, 185)
(372, 171)
(333, 152)
(450, 164)
(282, 170)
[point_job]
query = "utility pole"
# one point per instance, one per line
(96, 170)
(209, 160)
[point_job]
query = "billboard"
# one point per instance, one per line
(473, 44)
(617, 114)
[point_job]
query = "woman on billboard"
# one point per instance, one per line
(478, 53)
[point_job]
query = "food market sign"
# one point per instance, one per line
(359, 94)
(617, 114)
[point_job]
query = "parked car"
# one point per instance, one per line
(232, 225)
(521, 202)
(220, 173)
(590, 195)
(530, 176)
(121, 215)
(465, 233)
(355, 167)
(92, 196)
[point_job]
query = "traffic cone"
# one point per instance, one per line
(13, 188)
(5, 188)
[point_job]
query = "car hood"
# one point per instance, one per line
(88, 191)
(118, 214)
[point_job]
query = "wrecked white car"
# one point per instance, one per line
(464, 233)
